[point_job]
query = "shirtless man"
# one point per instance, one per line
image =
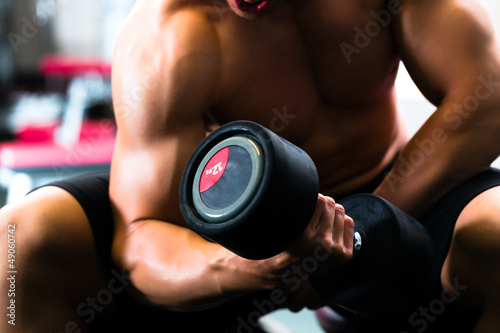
(319, 73)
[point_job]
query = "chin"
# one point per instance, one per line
(251, 10)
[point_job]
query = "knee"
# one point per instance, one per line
(51, 268)
(22, 226)
(43, 224)
(477, 241)
(473, 261)
(22, 247)
(477, 229)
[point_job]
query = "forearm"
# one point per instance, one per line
(459, 140)
(454, 60)
(173, 267)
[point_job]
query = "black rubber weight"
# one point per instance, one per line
(387, 276)
(282, 206)
(392, 271)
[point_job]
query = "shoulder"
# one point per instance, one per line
(174, 26)
(165, 49)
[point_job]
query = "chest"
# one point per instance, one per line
(306, 58)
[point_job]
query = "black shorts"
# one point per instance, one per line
(91, 191)
(125, 314)
(435, 315)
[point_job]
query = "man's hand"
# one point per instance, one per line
(329, 231)
(326, 243)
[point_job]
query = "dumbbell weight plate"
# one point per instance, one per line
(227, 179)
(260, 201)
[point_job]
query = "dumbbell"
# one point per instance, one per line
(253, 192)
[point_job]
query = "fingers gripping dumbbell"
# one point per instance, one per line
(254, 193)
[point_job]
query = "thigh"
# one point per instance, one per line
(55, 266)
(474, 257)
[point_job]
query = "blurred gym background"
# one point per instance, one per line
(55, 97)
(56, 117)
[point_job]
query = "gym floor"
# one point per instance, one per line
(301, 322)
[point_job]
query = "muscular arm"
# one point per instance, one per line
(163, 82)
(164, 79)
(451, 53)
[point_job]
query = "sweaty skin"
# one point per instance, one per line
(313, 72)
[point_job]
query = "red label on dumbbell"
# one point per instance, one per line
(214, 169)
